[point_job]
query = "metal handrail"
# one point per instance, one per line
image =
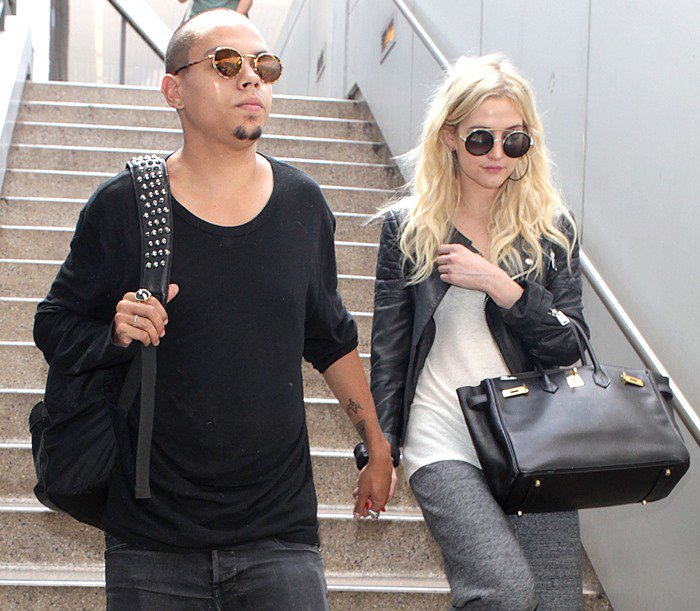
(686, 412)
(146, 23)
(6, 8)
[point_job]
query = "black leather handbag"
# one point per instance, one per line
(564, 439)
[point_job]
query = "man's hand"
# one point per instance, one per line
(375, 487)
(141, 321)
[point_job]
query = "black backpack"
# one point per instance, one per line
(73, 428)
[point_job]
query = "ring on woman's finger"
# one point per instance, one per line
(373, 514)
(136, 317)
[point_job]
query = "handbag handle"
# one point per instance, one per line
(599, 376)
(584, 346)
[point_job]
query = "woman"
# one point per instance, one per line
(477, 273)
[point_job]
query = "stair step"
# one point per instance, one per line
(22, 589)
(24, 367)
(30, 278)
(17, 322)
(165, 117)
(368, 561)
(111, 136)
(41, 184)
(151, 96)
(53, 243)
(47, 212)
(84, 589)
(328, 425)
(398, 544)
(112, 160)
(334, 471)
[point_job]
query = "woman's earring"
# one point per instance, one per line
(455, 163)
(527, 158)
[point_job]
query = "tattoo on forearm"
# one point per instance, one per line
(360, 428)
(352, 407)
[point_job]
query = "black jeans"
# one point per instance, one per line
(268, 574)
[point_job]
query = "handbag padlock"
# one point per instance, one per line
(628, 379)
(516, 391)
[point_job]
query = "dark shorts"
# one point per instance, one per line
(268, 574)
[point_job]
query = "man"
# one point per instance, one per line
(232, 519)
(199, 6)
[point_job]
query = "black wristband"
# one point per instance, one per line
(362, 456)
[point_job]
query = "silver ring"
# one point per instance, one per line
(143, 295)
(373, 514)
(136, 317)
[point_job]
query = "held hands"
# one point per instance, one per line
(375, 487)
(141, 321)
(464, 268)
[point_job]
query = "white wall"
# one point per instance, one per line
(617, 86)
(312, 26)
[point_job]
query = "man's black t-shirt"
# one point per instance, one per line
(230, 455)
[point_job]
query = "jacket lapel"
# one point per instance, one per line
(430, 292)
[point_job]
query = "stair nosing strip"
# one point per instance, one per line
(50, 228)
(133, 150)
(340, 513)
(54, 229)
(56, 262)
(170, 110)
(110, 174)
(23, 344)
(29, 198)
(168, 130)
(102, 87)
(333, 584)
(68, 200)
(40, 391)
(21, 299)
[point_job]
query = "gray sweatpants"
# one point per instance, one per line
(494, 561)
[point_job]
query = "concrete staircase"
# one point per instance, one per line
(69, 138)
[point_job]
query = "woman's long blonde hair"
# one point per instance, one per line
(524, 211)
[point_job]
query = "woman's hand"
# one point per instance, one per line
(375, 487)
(466, 269)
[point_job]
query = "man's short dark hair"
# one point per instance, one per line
(178, 52)
(189, 32)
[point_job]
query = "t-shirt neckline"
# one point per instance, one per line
(247, 227)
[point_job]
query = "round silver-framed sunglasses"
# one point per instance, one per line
(480, 141)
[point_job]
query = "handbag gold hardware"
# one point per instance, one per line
(515, 391)
(628, 379)
(538, 483)
(574, 379)
(668, 473)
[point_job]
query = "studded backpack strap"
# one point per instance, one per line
(150, 177)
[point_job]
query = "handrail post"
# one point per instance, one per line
(122, 53)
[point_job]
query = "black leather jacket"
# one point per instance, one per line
(403, 329)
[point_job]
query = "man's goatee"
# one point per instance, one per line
(243, 134)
